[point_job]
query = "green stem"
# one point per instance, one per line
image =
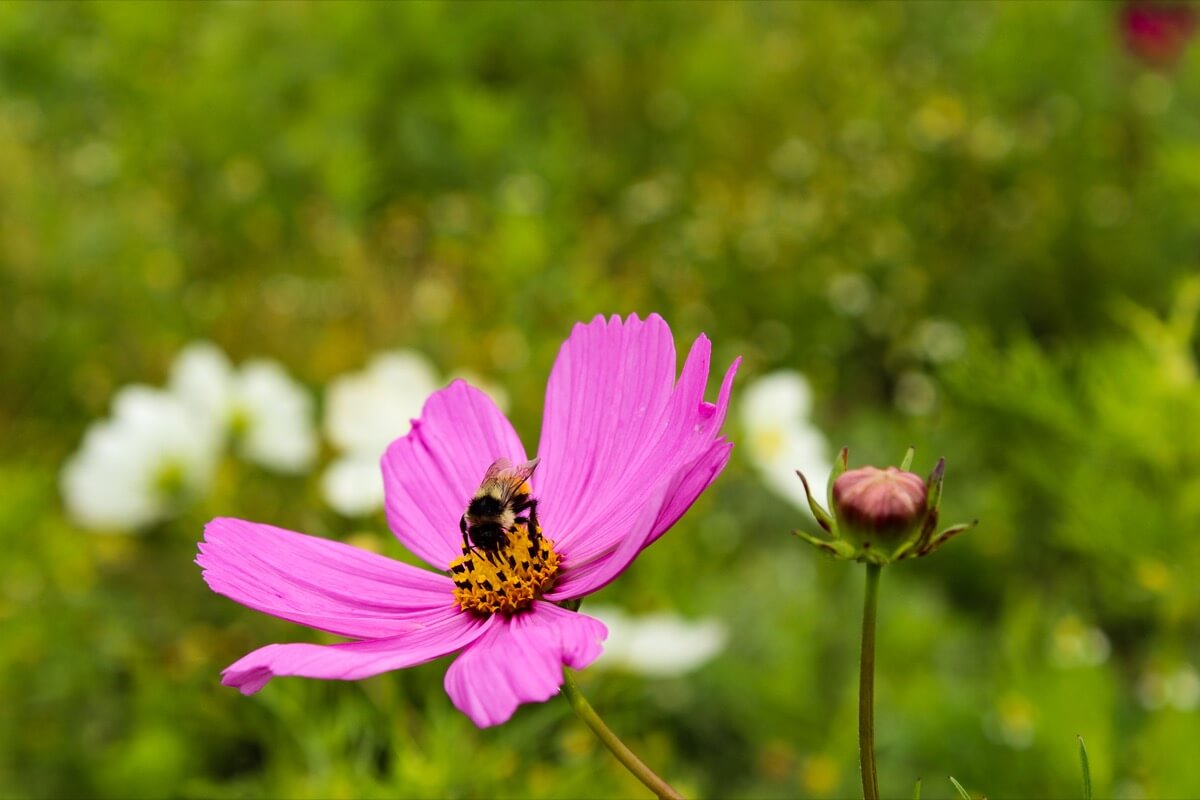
(866, 688)
(631, 762)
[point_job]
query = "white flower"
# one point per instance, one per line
(780, 439)
(353, 485)
(364, 412)
(657, 645)
(136, 467)
(268, 413)
(274, 415)
(780, 395)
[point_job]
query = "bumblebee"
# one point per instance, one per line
(499, 506)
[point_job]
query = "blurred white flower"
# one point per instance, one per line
(657, 645)
(850, 294)
(1183, 688)
(1179, 689)
(780, 438)
(364, 412)
(1075, 644)
(941, 341)
(1012, 721)
(1152, 690)
(916, 393)
(268, 414)
(353, 485)
(137, 466)
(783, 394)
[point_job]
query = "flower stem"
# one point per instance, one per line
(631, 762)
(866, 688)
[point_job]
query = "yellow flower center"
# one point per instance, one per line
(508, 578)
(768, 442)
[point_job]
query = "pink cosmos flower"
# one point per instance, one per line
(625, 450)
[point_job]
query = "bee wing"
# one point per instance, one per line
(495, 471)
(508, 476)
(522, 472)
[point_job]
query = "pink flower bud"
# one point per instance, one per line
(1155, 31)
(881, 515)
(884, 505)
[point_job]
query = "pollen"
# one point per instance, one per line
(508, 579)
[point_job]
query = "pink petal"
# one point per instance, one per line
(317, 582)
(714, 451)
(588, 571)
(584, 577)
(609, 387)
(520, 660)
(440, 633)
(617, 426)
(430, 474)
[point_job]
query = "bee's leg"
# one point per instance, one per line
(522, 503)
(462, 526)
(534, 525)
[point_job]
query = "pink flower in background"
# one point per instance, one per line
(1156, 31)
(625, 450)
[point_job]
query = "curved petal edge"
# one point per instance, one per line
(520, 660)
(348, 661)
(430, 474)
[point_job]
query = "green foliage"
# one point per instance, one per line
(1085, 769)
(970, 224)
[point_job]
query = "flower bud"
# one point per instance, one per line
(1157, 32)
(880, 515)
(879, 507)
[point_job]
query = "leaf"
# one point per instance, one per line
(917, 790)
(840, 465)
(933, 499)
(961, 791)
(1086, 769)
(908, 458)
(946, 536)
(821, 515)
(833, 547)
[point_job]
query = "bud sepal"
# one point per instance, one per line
(880, 515)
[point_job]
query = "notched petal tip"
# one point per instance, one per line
(247, 681)
(217, 523)
(727, 381)
(619, 418)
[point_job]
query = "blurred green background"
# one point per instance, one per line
(971, 225)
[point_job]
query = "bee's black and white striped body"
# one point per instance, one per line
(502, 504)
